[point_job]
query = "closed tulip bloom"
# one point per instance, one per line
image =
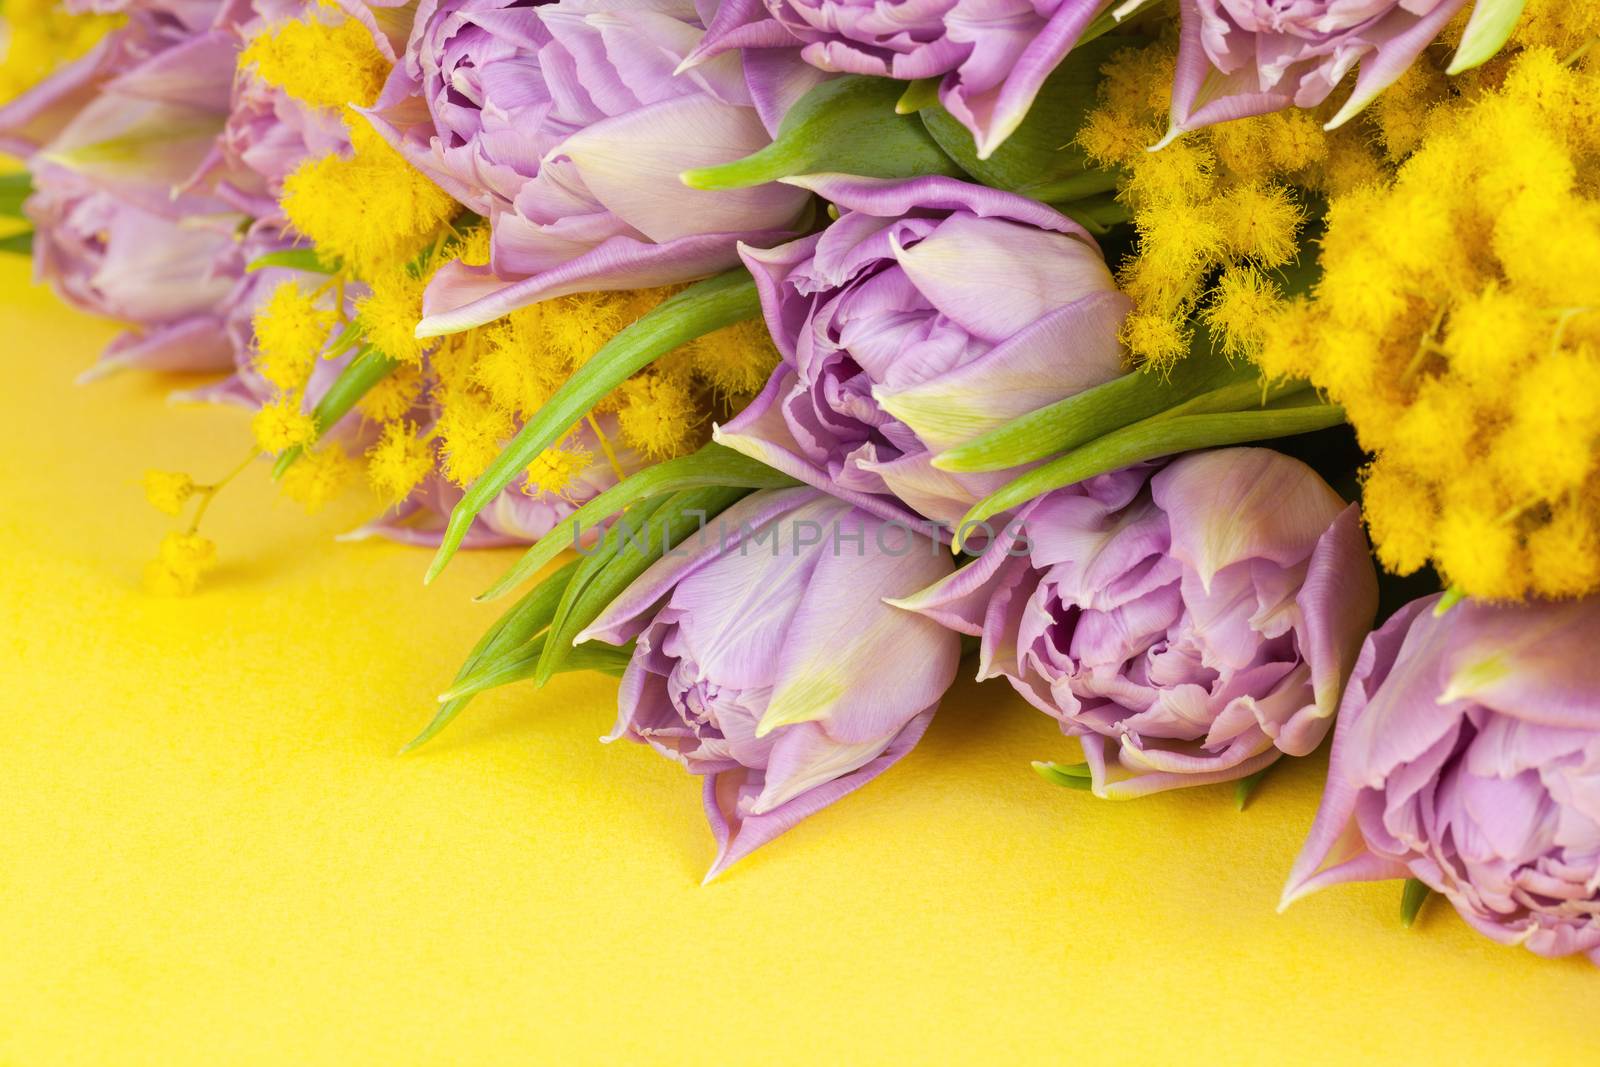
(1187, 627)
(166, 278)
(564, 124)
(769, 663)
(1467, 755)
(932, 311)
(1248, 57)
(992, 55)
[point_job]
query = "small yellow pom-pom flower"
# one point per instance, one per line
(736, 360)
(326, 65)
(1294, 138)
(1241, 310)
(183, 559)
(1401, 513)
(372, 210)
(1159, 340)
(168, 491)
(281, 425)
(317, 477)
(389, 314)
(398, 462)
(290, 329)
(472, 432)
(659, 417)
(394, 396)
(1259, 222)
(1564, 554)
(554, 470)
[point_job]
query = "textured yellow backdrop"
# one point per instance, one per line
(210, 854)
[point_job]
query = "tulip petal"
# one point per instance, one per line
(1067, 350)
(1337, 603)
(761, 432)
(1233, 504)
(841, 683)
(737, 836)
(631, 164)
(622, 619)
(1335, 851)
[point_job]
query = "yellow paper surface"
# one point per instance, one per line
(209, 853)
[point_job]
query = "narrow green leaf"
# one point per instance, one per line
(1041, 158)
(1069, 775)
(305, 259)
(20, 244)
(698, 310)
(516, 628)
(676, 519)
(1487, 32)
(846, 125)
(712, 465)
(1246, 787)
(1412, 898)
(1152, 439)
(14, 192)
(1079, 419)
(522, 664)
(354, 382)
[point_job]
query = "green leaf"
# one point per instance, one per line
(1153, 438)
(1246, 787)
(698, 310)
(712, 465)
(1412, 898)
(20, 244)
(1081, 418)
(516, 628)
(522, 664)
(924, 92)
(354, 382)
(668, 524)
(1041, 158)
(846, 125)
(1070, 775)
(1487, 32)
(305, 259)
(14, 192)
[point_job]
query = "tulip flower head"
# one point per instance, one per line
(1467, 755)
(761, 652)
(1187, 627)
(932, 311)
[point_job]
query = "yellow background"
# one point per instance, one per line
(209, 853)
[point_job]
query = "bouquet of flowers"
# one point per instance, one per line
(1223, 374)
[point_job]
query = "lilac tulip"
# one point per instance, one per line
(1247, 57)
(564, 125)
(39, 115)
(768, 662)
(931, 312)
(166, 278)
(993, 55)
(1467, 755)
(1187, 628)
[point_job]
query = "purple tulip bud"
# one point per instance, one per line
(1247, 57)
(1467, 755)
(761, 656)
(565, 125)
(931, 312)
(993, 55)
(1189, 627)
